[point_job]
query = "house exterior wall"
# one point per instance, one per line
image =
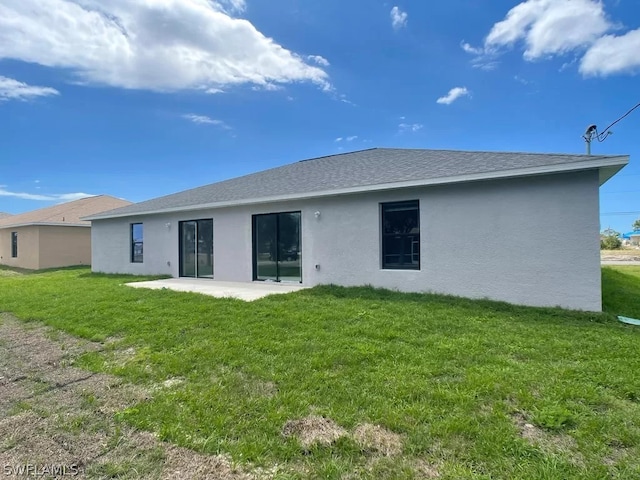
(499, 239)
(28, 252)
(64, 246)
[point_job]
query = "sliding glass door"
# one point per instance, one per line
(276, 247)
(196, 248)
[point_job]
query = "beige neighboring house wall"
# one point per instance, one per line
(54, 236)
(28, 251)
(64, 246)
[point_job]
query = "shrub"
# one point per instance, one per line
(610, 240)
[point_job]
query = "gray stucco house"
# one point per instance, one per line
(387, 217)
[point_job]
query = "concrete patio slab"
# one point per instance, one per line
(242, 291)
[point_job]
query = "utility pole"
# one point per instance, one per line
(588, 136)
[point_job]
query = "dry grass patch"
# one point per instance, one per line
(314, 430)
(378, 439)
(246, 384)
(550, 443)
(426, 470)
(173, 382)
(180, 460)
(54, 413)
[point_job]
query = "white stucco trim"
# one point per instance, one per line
(607, 167)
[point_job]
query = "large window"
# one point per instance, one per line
(196, 248)
(401, 235)
(136, 243)
(14, 244)
(277, 253)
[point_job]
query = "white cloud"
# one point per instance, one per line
(343, 98)
(11, 89)
(347, 139)
(398, 18)
(453, 95)
(485, 64)
(550, 27)
(410, 127)
(161, 45)
(613, 54)
(205, 120)
(62, 197)
(484, 59)
(319, 60)
(339, 139)
(267, 87)
(470, 49)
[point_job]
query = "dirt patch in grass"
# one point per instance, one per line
(180, 460)
(551, 443)
(623, 254)
(314, 430)
(52, 413)
(378, 439)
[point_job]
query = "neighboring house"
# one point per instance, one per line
(384, 217)
(634, 238)
(54, 236)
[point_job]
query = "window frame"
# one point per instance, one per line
(134, 243)
(14, 244)
(254, 242)
(384, 265)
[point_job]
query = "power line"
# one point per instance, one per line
(592, 131)
(619, 213)
(602, 136)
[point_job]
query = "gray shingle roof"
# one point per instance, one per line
(373, 168)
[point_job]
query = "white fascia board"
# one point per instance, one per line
(610, 163)
(45, 224)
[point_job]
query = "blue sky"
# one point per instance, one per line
(141, 98)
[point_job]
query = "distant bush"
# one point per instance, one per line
(610, 240)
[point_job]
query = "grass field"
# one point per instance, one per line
(390, 385)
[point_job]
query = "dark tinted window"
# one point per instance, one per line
(401, 235)
(136, 242)
(14, 244)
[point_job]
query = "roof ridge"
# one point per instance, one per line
(491, 152)
(337, 155)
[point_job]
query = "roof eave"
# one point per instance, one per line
(44, 224)
(607, 166)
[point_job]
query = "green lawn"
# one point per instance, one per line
(456, 379)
